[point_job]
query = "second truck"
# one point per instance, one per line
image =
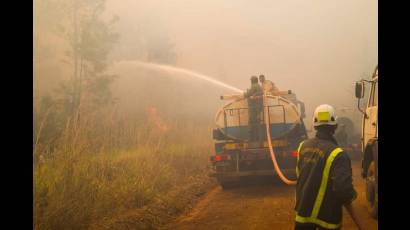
(370, 139)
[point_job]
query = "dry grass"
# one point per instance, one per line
(104, 167)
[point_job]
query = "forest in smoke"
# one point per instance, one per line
(299, 45)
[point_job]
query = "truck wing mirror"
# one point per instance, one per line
(359, 89)
(359, 95)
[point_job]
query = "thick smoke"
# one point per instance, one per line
(316, 48)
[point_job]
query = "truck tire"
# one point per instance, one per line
(371, 190)
(227, 184)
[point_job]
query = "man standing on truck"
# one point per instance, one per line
(255, 107)
(270, 87)
(324, 174)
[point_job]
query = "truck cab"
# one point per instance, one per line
(370, 139)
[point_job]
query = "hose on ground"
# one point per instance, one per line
(272, 153)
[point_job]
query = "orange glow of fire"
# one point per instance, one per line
(155, 119)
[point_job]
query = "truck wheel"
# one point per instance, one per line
(371, 192)
(227, 184)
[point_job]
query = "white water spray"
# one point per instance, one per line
(172, 69)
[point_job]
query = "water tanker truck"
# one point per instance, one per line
(237, 157)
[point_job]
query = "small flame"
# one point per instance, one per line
(156, 119)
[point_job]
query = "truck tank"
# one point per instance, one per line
(232, 120)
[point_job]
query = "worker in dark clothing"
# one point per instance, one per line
(324, 173)
(255, 107)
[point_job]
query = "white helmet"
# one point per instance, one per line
(324, 115)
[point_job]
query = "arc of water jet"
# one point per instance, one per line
(168, 68)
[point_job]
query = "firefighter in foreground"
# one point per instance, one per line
(255, 105)
(324, 173)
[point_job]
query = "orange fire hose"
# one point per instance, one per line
(272, 153)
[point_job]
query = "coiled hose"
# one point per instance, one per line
(272, 153)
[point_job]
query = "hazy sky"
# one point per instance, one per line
(317, 48)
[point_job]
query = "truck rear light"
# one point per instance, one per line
(294, 153)
(221, 157)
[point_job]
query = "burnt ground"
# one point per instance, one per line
(259, 204)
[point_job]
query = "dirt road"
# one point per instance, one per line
(259, 205)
